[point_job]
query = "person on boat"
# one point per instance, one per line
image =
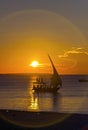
(37, 80)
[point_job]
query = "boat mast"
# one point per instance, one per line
(56, 80)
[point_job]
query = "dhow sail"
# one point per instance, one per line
(55, 80)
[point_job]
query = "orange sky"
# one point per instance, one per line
(30, 35)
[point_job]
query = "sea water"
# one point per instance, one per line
(16, 94)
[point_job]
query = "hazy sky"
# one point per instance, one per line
(29, 29)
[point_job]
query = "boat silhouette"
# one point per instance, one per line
(40, 86)
(83, 80)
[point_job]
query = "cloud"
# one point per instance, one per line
(74, 51)
(75, 58)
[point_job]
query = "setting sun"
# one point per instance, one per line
(34, 64)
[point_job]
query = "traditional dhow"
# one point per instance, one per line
(55, 84)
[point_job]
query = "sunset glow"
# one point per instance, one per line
(51, 33)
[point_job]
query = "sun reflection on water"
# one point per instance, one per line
(34, 104)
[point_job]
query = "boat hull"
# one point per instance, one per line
(83, 80)
(52, 90)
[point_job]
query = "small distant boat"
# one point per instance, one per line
(40, 86)
(83, 80)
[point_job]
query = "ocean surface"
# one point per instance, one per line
(16, 94)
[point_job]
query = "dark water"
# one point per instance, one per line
(16, 93)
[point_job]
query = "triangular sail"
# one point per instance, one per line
(56, 80)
